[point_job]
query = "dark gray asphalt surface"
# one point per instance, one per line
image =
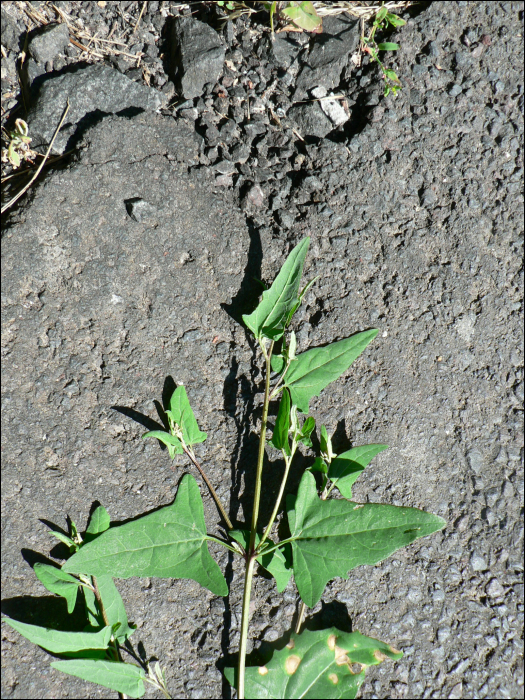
(415, 210)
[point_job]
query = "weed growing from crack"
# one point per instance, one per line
(328, 537)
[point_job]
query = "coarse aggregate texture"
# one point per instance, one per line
(126, 268)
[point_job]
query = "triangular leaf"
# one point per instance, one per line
(114, 607)
(57, 581)
(167, 439)
(332, 537)
(271, 316)
(120, 677)
(59, 642)
(182, 414)
(282, 425)
(169, 543)
(315, 664)
(314, 369)
(348, 466)
(99, 521)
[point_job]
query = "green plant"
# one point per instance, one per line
(328, 536)
(381, 21)
(19, 141)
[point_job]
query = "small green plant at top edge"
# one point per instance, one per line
(382, 20)
(328, 537)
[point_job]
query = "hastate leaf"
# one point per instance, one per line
(120, 677)
(169, 543)
(316, 664)
(348, 466)
(332, 537)
(59, 642)
(314, 369)
(57, 581)
(182, 413)
(273, 312)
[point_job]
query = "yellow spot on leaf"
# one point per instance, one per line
(291, 644)
(331, 642)
(333, 677)
(394, 650)
(379, 655)
(341, 657)
(263, 670)
(292, 664)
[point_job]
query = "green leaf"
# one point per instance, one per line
(277, 563)
(182, 414)
(319, 466)
(167, 439)
(388, 46)
(282, 425)
(58, 642)
(304, 15)
(348, 466)
(326, 444)
(270, 317)
(122, 678)
(381, 15)
(314, 369)
(306, 431)
(57, 581)
(277, 363)
(99, 521)
(394, 20)
(114, 607)
(330, 538)
(64, 538)
(169, 543)
(315, 664)
(93, 613)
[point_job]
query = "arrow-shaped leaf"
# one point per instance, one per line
(271, 316)
(120, 677)
(315, 664)
(169, 543)
(314, 369)
(59, 642)
(348, 466)
(332, 537)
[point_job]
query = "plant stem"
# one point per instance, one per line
(224, 544)
(260, 457)
(288, 462)
(300, 618)
(244, 625)
(216, 498)
(250, 559)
